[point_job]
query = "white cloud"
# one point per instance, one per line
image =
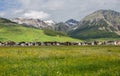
(18, 11)
(2, 14)
(36, 15)
(54, 4)
(42, 4)
(24, 14)
(59, 10)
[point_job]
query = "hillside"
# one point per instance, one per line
(100, 24)
(10, 31)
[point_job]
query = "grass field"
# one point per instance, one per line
(18, 33)
(60, 61)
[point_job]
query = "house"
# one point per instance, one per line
(117, 42)
(110, 43)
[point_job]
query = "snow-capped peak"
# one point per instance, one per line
(72, 22)
(50, 22)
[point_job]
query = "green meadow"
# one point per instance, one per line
(18, 33)
(60, 61)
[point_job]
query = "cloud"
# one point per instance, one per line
(36, 15)
(24, 14)
(58, 10)
(42, 4)
(2, 14)
(18, 11)
(54, 4)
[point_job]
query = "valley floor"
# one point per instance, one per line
(60, 61)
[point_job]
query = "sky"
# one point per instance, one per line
(57, 10)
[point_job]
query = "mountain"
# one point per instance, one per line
(97, 25)
(48, 24)
(67, 26)
(10, 31)
(62, 27)
(100, 24)
(37, 23)
(72, 22)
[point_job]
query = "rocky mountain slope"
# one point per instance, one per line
(100, 24)
(67, 26)
(37, 23)
(72, 22)
(48, 24)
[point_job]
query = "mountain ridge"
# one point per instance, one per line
(98, 24)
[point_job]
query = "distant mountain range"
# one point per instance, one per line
(49, 24)
(99, 24)
(37, 23)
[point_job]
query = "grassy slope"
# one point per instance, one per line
(15, 32)
(94, 33)
(60, 61)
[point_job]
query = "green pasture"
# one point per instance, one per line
(60, 61)
(18, 33)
